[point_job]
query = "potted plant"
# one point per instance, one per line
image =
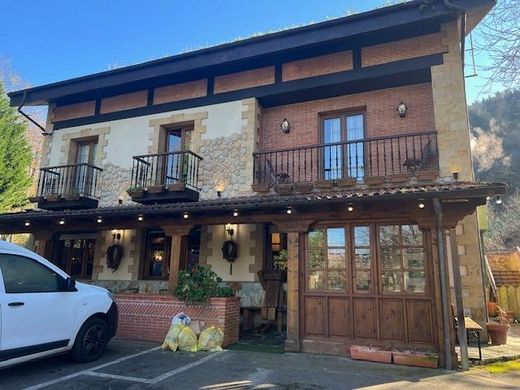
(416, 358)
(492, 309)
(136, 191)
(199, 285)
(498, 330)
(372, 354)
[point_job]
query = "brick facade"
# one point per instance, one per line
(124, 102)
(148, 317)
(315, 66)
(246, 79)
(72, 111)
(381, 118)
(182, 91)
(403, 49)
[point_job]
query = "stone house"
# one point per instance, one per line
(344, 144)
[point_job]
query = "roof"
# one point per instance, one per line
(445, 190)
(254, 51)
(505, 266)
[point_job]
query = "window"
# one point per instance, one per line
(402, 259)
(326, 259)
(343, 153)
(362, 259)
(75, 256)
(157, 256)
(24, 275)
(276, 243)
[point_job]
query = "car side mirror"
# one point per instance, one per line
(70, 284)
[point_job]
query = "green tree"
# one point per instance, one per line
(15, 157)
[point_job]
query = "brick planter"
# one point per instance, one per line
(358, 352)
(147, 317)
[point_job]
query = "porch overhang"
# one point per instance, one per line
(459, 198)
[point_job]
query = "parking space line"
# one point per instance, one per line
(83, 372)
(120, 377)
(184, 368)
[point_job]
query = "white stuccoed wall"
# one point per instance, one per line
(225, 140)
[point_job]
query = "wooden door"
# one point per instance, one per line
(368, 284)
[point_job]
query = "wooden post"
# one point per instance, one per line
(42, 238)
(463, 340)
(176, 233)
(294, 230)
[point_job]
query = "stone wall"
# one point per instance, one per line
(451, 123)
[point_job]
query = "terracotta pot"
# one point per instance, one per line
(358, 352)
(418, 359)
(497, 332)
(492, 309)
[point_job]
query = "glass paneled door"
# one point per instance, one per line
(343, 153)
(86, 154)
(174, 159)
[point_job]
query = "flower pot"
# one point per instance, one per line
(135, 193)
(497, 332)
(371, 354)
(492, 309)
(418, 359)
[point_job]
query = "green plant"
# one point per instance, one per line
(280, 260)
(199, 285)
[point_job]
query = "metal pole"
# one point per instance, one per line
(461, 327)
(444, 287)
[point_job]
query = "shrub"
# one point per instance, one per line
(199, 285)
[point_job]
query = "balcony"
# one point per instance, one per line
(165, 177)
(67, 187)
(371, 161)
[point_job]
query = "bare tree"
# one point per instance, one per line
(504, 224)
(499, 38)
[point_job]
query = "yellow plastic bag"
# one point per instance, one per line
(211, 339)
(187, 340)
(172, 337)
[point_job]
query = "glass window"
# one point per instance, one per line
(157, 257)
(402, 259)
(75, 257)
(24, 275)
(326, 259)
(362, 259)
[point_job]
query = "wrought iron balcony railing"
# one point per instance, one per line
(68, 181)
(166, 169)
(355, 160)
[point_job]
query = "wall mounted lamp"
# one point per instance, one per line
(285, 126)
(402, 109)
(116, 234)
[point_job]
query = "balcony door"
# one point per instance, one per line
(343, 153)
(174, 158)
(85, 156)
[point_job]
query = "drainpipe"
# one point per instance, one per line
(444, 287)
(44, 132)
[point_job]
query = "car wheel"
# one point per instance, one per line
(91, 341)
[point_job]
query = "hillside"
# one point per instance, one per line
(495, 143)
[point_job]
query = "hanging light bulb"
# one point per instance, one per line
(185, 215)
(499, 200)
(235, 213)
(350, 208)
(289, 210)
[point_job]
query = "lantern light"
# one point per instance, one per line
(99, 220)
(350, 208)
(402, 109)
(62, 222)
(235, 213)
(140, 218)
(289, 210)
(185, 215)
(27, 224)
(285, 126)
(421, 205)
(499, 200)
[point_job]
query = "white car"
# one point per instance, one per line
(44, 312)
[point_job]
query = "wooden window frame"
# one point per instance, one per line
(145, 256)
(402, 270)
(342, 115)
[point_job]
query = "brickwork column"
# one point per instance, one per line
(176, 233)
(295, 231)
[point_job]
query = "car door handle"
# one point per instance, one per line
(16, 304)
